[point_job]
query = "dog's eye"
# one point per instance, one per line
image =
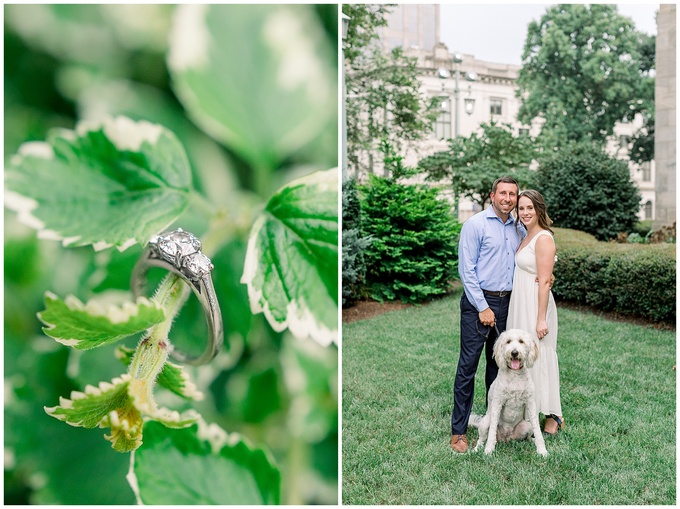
(521, 341)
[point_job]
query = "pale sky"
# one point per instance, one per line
(496, 32)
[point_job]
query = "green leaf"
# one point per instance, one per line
(172, 377)
(311, 374)
(117, 405)
(291, 266)
(108, 405)
(84, 482)
(111, 184)
(85, 326)
(204, 466)
(264, 97)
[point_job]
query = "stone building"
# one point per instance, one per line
(473, 92)
(665, 134)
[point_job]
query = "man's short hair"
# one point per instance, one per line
(504, 180)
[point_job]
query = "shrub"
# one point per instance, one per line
(664, 234)
(353, 244)
(587, 190)
(413, 255)
(643, 228)
(631, 279)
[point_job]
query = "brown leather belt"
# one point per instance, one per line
(496, 294)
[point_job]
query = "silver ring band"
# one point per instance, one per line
(180, 253)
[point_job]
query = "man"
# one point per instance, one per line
(486, 264)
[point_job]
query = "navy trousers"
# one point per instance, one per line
(473, 338)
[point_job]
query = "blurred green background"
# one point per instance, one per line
(66, 63)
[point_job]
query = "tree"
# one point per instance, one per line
(584, 68)
(413, 255)
(587, 190)
(384, 103)
(642, 149)
(353, 243)
(472, 164)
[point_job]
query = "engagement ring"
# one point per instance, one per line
(180, 253)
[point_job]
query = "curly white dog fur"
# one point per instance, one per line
(511, 396)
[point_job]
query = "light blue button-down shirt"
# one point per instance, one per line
(486, 255)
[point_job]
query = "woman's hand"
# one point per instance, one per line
(541, 329)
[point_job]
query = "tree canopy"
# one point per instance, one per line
(588, 190)
(471, 164)
(584, 67)
(384, 105)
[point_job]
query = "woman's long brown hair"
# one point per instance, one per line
(539, 206)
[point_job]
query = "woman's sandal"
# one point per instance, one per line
(560, 424)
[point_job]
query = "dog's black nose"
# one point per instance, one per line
(514, 354)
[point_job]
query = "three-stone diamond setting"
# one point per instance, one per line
(183, 250)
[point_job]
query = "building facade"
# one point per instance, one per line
(472, 92)
(665, 133)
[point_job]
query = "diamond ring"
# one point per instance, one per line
(180, 253)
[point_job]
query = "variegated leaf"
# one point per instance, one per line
(114, 183)
(106, 406)
(291, 266)
(85, 326)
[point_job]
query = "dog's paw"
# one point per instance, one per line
(488, 451)
(543, 452)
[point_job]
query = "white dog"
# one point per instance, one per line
(511, 396)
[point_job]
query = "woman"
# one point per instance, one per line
(532, 306)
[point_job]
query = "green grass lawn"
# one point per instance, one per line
(618, 398)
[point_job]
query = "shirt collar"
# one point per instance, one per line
(491, 213)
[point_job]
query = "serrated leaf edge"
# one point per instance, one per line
(250, 268)
(189, 388)
(89, 390)
(173, 419)
(115, 314)
(299, 318)
(123, 132)
(112, 420)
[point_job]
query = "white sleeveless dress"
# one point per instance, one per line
(522, 314)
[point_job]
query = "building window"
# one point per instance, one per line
(646, 171)
(648, 210)
(496, 107)
(624, 141)
(523, 131)
(442, 126)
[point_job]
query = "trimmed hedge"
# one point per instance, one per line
(631, 279)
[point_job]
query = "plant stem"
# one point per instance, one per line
(203, 204)
(152, 350)
(263, 180)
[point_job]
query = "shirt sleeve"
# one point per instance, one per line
(468, 255)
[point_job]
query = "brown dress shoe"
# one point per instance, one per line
(459, 443)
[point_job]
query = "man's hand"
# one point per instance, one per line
(552, 280)
(487, 317)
